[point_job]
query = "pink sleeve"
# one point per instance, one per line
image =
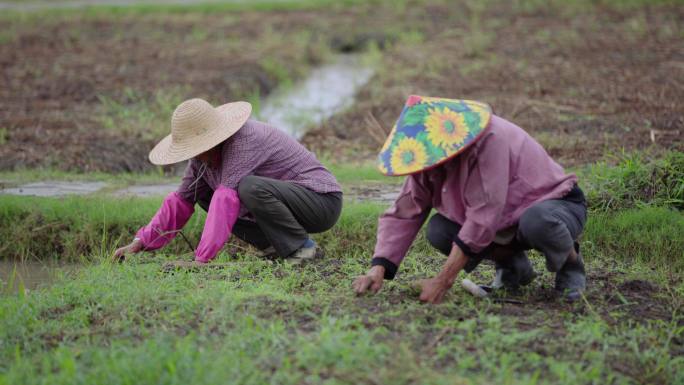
(222, 215)
(399, 225)
(171, 216)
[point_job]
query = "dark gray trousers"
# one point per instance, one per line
(284, 212)
(551, 226)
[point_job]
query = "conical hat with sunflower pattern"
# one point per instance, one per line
(431, 131)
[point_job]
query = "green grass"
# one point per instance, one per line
(345, 173)
(200, 7)
(144, 116)
(255, 321)
(636, 179)
(78, 227)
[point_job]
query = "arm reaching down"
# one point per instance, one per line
(221, 217)
(434, 289)
(171, 217)
(397, 228)
(399, 225)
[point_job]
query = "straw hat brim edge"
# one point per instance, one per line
(166, 152)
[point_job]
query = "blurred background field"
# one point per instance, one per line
(95, 86)
(88, 87)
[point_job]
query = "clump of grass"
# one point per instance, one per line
(652, 235)
(636, 179)
(147, 116)
(75, 227)
(4, 133)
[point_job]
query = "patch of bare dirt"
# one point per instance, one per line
(584, 83)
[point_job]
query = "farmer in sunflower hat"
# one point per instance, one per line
(496, 193)
(253, 180)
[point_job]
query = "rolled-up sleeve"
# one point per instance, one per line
(486, 192)
(399, 225)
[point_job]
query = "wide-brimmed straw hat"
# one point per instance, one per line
(430, 131)
(196, 127)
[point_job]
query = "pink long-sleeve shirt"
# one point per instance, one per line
(256, 149)
(485, 189)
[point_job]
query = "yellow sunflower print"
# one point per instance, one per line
(408, 156)
(446, 128)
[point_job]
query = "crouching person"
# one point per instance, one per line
(253, 180)
(496, 191)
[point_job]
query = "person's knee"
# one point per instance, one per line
(538, 228)
(438, 235)
(535, 225)
(251, 191)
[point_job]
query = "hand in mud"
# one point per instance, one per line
(432, 290)
(131, 248)
(372, 280)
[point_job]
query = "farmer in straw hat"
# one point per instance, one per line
(253, 180)
(496, 191)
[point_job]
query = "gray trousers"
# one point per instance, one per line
(551, 226)
(284, 212)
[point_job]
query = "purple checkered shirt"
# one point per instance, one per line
(262, 150)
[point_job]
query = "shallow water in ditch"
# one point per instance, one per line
(30, 275)
(55, 188)
(327, 90)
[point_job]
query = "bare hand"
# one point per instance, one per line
(371, 281)
(433, 290)
(132, 248)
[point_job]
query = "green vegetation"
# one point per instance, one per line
(90, 227)
(255, 321)
(200, 7)
(134, 114)
(3, 135)
(346, 173)
(636, 179)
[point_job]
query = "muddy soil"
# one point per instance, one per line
(583, 85)
(51, 111)
(583, 82)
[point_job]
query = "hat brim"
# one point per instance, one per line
(234, 116)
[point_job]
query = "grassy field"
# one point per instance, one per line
(596, 82)
(256, 321)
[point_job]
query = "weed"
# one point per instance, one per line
(633, 179)
(135, 113)
(4, 134)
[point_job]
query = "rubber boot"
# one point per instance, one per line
(516, 271)
(571, 279)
